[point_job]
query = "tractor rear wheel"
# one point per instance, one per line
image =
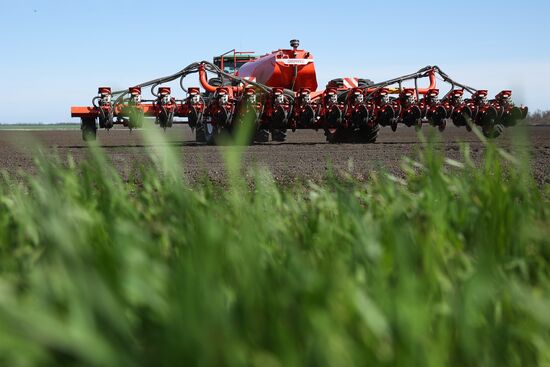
(337, 135)
(89, 129)
(199, 133)
(278, 135)
(262, 136)
(210, 133)
(494, 131)
(369, 134)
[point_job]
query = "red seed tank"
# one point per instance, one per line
(290, 69)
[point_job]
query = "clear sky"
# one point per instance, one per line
(55, 53)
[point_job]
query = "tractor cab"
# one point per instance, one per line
(231, 61)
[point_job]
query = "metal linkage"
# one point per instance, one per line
(167, 106)
(435, 112)
(103, 105)
(305, 111)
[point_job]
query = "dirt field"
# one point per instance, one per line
(304, 156)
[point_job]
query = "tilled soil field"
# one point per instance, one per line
(305, 156)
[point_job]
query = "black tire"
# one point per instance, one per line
(89, 129)
(337, 136)
(332, 137)
(199, 133)
(368, 135)
(262, 136)
(494, 131)
(338, 83)
(278, 135)
(361, 83)
(365, 83)
(210, 133)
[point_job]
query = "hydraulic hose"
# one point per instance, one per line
(201, 68)
(428, 71)
(205, 66)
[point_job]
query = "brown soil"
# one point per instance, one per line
(305, 156)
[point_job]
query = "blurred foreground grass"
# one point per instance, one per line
(438, 269)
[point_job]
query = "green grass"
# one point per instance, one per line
(448, 267)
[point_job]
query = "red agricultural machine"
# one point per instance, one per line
(278, 92)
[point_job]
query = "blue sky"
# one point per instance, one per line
(55, 53)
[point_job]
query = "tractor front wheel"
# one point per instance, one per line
(89, 129)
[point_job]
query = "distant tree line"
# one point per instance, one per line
(539, 118)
